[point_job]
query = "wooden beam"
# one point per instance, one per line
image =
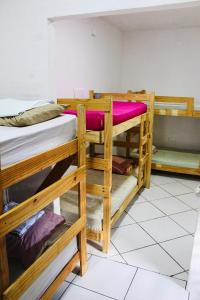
(61, 277)
(23, 211)
(90, 104)
(30, 166)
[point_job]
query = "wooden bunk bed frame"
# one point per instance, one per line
(105, 138)
(54, 186)
(187, 110)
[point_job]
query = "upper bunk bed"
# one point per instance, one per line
(109, 194)
(170, 160)
(25, 151)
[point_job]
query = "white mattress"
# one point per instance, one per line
(18, 143)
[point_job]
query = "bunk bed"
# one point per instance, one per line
(109, 194)
(24, 152)
(173, 160)
(170, 160)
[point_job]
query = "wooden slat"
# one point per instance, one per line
(125, 144)
(98, 163)
(97, 189)
(127, 96)
(90, 104)
(181, 170)
(94, 235)
(14, 217)
(117, 129)
(124, 205)
(171, 112)
(33, 272)
(61, 277)
(30, 166)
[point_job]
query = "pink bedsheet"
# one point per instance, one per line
(122, 111)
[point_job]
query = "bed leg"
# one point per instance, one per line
(106, 224)
(82, 187)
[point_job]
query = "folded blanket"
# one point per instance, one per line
(32, 244)
(13, 107)
(22, 228)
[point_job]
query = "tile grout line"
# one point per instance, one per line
(156, 243)
(131, 283)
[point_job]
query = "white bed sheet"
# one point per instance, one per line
(18, 143)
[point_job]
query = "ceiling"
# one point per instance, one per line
(162, 19)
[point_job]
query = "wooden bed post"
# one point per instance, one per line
(82, 185)
(4, 269)
(150, 140)
(107, 177)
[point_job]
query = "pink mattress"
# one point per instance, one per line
(122, 111)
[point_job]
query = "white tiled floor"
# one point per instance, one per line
(150, 249)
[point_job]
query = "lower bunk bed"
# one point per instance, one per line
(109, 194)
(52, 145)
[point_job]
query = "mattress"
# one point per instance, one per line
(121, 187)
(176, 159)
(18, 143)
(122, 111)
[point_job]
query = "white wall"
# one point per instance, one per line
(24, 59)
(88, 55)
(168, 62)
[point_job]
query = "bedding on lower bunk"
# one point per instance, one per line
(122, 111)
(177, 159)
(121, 187)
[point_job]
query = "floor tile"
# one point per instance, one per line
(191, 200)
(77, 293)
(139, 199)
(176, 188)
(107, 277)
(182, 276)
(95, 248)
(191, 183)
(170, 205)
(130, 237)
(161, 179)
(154, 193)
(182, 283)
(187, 220)
(153, 258)
(125, 219)
(117, 258)
(151, 286)
(144, 211)
(163, 229)
(60, 291)
(180, 249)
